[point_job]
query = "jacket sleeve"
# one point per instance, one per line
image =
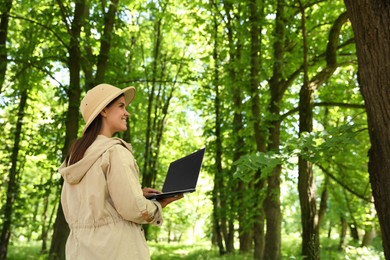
(125, 190)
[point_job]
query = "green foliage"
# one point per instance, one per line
(248, 165)
(313, 146)
(317, 145)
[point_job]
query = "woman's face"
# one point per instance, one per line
(114, 117)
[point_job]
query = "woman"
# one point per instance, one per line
(102, 199)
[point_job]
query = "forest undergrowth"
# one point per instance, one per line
(205, 251)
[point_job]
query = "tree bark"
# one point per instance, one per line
(240, 188)
(218, 202)
(369, 235)
(370, 22)
(256, 16)
(105, 41)
(148, 173)
(306, 187)
(343, 233)
(272, 201)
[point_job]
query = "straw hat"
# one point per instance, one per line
(99, 97)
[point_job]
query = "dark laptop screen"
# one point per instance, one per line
(183, 173)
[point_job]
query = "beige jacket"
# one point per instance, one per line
(104, 204)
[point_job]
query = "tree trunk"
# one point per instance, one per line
(369, 235)
(369, 228)
(370, 22)
(105, 41)
(306, 186)
(61, 229)
(4, 21)
(44, 223)
(148, 173)
(323, 205)
(240, 188)
(218, 203)
(272, 201)
(12, 188)
(343, 233)
(256, 16)
(354, 231)
(159, 98)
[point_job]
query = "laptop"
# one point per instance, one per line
(182, 176)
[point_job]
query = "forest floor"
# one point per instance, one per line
(204, 251)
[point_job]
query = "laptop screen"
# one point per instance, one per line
(183, 173)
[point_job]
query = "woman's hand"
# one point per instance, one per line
(166, 201)
(150, 192)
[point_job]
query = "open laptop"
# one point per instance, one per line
(182, 175)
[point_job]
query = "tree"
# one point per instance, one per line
(218, 203)
(12, 187)
(277, 88)
(256, 17)
(61, 229)
(22, 89)
(370, 22)
(306, 185)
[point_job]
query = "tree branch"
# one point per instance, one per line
(324, 104)
(43, 26)
(344, 185)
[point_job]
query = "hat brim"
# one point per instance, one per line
(129, 94)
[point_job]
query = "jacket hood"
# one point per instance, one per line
(74, 173)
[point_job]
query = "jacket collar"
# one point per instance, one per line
(74, 173)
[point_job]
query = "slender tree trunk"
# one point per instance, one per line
(256, 16)
(148, 174)
(309, 215)
(369, 235)
(369, 228)
(105, 41)
(44, 220)
(228, 212)
(48, 220)
(159, 99)
(218, 203)
(343, 233)
(352, 224)
(272, 200)
(370, 22)
(4, 21)
(353, 228)
(239, 186)
(12, 188)
(306, 185)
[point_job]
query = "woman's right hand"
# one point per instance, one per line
(164, 202)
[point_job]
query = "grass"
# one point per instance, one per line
(25, 251)
(204, 251)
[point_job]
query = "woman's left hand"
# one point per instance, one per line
(165, 202)
(150, 192)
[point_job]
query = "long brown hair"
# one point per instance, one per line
(78, 148)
